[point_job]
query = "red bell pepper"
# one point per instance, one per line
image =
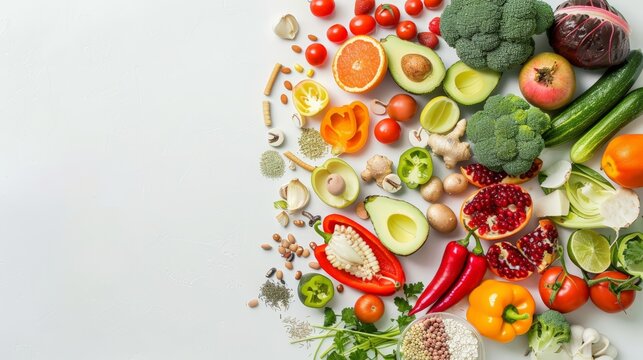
(391, 276)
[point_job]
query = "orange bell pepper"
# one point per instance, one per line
(345, 128)
(622, 160)
(501, 310)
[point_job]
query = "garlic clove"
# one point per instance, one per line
(283, 219)
(296, 195)
(287, 27)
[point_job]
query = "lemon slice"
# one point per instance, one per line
(440, 115)
(589, 250)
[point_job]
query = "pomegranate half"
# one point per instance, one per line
(534, 252)
(497, 211)
(480, 176)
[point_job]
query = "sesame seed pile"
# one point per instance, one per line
(435, 338)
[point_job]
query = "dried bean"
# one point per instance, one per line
(288, 86)
(293, 247)
(284, 99)
(285, 243)
(300, 251)
(340, 288)
(282, 250)
(296, 48)
(279, 275)
(299, 223)
(312, 245)
(288, 265)
(253, 303)
(291, 257)
(270, 272)
(266, 246)
(312, 37)
(298, 275)
(285, 70)
(314, 265)
(305, 253)
(276, 237)
(291, 238)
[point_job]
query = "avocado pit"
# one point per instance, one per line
(416, 67)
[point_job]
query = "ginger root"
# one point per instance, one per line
(450, 147)
(377, 167)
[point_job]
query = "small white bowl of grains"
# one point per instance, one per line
(440, 336)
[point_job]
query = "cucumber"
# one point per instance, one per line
(588, 108)
(627, 110)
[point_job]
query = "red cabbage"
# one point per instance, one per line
(590, 33)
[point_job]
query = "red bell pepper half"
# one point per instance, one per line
(386, 282)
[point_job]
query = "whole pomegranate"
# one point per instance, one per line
(547, 81)
(481, 176)
(497, 211)
(534, 252)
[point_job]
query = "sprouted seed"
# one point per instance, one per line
(297, 329)
(311, 144)
(274, 295)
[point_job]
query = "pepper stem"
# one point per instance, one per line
(326, 236)
(465, 242)
(477, 250)
(511, 314)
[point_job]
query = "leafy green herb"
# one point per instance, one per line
(280, 204)
(355, 340)
(633, 252)
(330, 318)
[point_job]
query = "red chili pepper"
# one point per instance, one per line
(471, 277)
(391, 276)
(453, 259)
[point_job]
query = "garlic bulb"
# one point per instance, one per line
(287, 27)
(296, 195)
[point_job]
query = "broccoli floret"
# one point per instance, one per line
(548, 332)
(506, 134)
(494, 34)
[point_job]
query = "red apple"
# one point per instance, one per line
(547, 81)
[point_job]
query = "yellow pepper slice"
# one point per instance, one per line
(501, 310)
(310, 97)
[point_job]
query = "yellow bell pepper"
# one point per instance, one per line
(310, 97)
(500, 310)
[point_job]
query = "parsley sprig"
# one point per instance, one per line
(355, 340)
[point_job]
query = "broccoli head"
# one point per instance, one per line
(548, 332)
(507, 134)
(494, 34)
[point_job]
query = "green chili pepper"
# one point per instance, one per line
(315, 290)
(415, 167)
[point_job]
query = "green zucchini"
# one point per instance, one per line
(627, 110)
(588, 108)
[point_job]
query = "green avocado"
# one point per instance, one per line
(401, 227)
(414, 67)
(469, 86)
(335, 166)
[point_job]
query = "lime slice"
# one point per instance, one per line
(589, 250)
(440, 115)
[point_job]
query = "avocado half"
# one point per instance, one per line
(401, 227)
(469, 86)
(340, 167)
(416, 83)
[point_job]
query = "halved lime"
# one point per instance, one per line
(440, 115)
(589, 250)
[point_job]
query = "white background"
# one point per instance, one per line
(131, 204)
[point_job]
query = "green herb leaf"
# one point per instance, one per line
(340, 340)
(348, 317)
(367, 328)
(402, 304)
(360, 354)
(335, 356)
(280, 204)
(329, 317)
(633, 252)
(413, 289)
(391, 356)
(404, 320)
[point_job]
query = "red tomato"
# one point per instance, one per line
(406, 30)
(432, 4)
(572, 290)
(321, 8)
(387, 15)
(369, 308)
(401, 107)
(337, 33)
(387, 131)
(434, 25)
(362, 25)
(413, 7)
(316, 54)
(605, 296)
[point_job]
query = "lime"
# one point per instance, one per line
(589, 250)
(440, 115)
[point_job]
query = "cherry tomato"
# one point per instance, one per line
(337, 33)
(606, 296)
(432, 4)
(401, 107)
(434, 25)
(387, 131)
(362, 25)
(387, 15)
(321, 8)
(406, 30)
(316, 54)
(413, 7)
(572, 290)
(369, 308)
